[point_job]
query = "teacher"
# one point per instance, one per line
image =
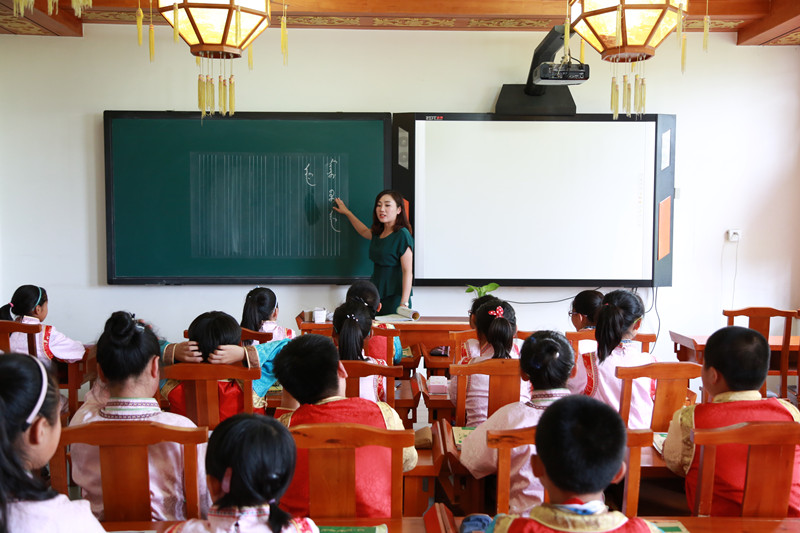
(391, 248)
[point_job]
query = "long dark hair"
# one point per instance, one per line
(259, 305)
(352, 321)
(125, 347)
(24, 301)
(20, 387)
(213, 329)
(402, 216)
(257, 454)
(619, 312)
(497, 321)
(587, 303)
(365, 292)
(547, 358)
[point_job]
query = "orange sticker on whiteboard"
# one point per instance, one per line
(664, 226)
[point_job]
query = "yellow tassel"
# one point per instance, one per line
(212, 107)
(643, 97)
(624, 92)
(615, 99)
(222, 101)
(139, 19)
(152, 43)
(175, 33)
(201, 93)
(613, 84)
(582, 51)
(636, 94)
(250, 56)
(628, 102)
(238, 24)
(232, 98)
(52, 4)
(706, 25)
(566, 39)
(683, 55)
(269, 11)
(197, 60)
(284, 38)
(679, 27)
(619, 25)
(224, 97)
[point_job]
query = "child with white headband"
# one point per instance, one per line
(29, 306)
(250, 463)
(30, 428)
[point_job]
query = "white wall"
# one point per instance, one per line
(737, 159)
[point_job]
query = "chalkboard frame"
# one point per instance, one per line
(109, 116)
(403, 175)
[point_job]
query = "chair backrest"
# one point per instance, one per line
(7, 327)
(259, 336)
(509, 439)
(770, 464)
(360, 369)
(332, 459)
(439, 519)
(672, 385)
(200, 388)
(124, 464)
(523, 334)
(389, 335)
(325, 328)
(575, 337)
(457, 340)
(758, 318)
(504, 384)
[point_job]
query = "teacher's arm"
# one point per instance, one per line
(406, 260)
(360, 227)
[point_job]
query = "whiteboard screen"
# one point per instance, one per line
(534, 200)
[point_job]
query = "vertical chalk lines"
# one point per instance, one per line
(248, 205)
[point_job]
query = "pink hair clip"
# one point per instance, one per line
(497, 312)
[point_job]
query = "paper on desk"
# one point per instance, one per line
(670, 526)
(381, 528)
(658, 442)
(460, 433)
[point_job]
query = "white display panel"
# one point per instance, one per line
(544, 200)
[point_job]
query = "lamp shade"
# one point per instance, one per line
(218, 29)
(643, 25)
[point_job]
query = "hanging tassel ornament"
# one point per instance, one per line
(683, 55)
(51, 6)
(201, 94)
(636, 94)
(139, 19)
(614, 98)
(250, 57)
(679, 26)
(232, 97)
(566, 40)
(625, 93)
(238, 24)
(222, 99)
(152, 42)
(284, 38)
(642, 97)
(619, 25)
(706, 25)
(21, 5)
(212, 108)
(197, 60)
(582, 51)
(628, 99)
(79, 5)
(175, 33)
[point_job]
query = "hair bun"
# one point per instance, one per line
(121, 327)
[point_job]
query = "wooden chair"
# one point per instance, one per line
(439, 365)
(419, 483)
(504, 384)
(332, 459)
(522, 335)
(439, 519)
(360, 369)
(759, 319)
(407, 399)
(389, 335)
(124, 464)
(304, 327)
(575, 337)
(201, 391)
(672, 385)
(259, 336)
(7, 327)
(770, 464)
(505, 441)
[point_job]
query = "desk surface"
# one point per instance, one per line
(691, 347)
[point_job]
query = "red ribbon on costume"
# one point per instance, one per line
(497, 312)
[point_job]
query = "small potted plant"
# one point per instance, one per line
(483, 290)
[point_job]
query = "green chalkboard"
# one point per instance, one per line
(240, 199)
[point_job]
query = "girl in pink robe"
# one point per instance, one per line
(30, 428)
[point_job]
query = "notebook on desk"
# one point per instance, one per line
(460, 433)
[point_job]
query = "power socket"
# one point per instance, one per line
(733, 235)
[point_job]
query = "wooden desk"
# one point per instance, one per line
(406, 400)
(72, 376)
(440, 406)
(691, 347)
(429, 330)
(696, 524)
(654, 466)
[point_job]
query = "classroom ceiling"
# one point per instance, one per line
(756, 22)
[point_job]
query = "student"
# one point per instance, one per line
(209, 331)
(29, 305)
(496, 325)
(618, 320)
(309, 369)
(127, 359)
(580, 450)
(352, 326)
(583, 314)
(391, 248)
(260, 313)
(30, 427)
(250, 462)
(734, 369)
(546, 361)
(367, 293)
(472, 347)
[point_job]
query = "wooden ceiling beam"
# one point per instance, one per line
(783, 18)
(64, 24)
(729, 9)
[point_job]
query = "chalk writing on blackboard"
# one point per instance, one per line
(250, 205)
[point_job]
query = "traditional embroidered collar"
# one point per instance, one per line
(130, 409)
(543, 398)
(330, 399)
(576, 506)
(737, 396)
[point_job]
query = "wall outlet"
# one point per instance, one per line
(733, 235)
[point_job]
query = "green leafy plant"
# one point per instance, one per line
(484, 290)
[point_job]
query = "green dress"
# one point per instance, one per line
(388, 274)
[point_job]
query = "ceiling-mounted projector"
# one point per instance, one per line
(552, 73)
